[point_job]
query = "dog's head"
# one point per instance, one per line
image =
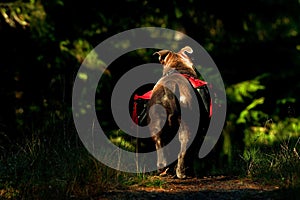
(178, 61)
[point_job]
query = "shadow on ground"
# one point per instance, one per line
(221, 188)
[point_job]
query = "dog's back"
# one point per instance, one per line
(166, 124)
(170, 85)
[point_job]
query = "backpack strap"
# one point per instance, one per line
(146, 96)
(194, 81)
(202, 89)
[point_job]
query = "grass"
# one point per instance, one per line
(52, 163)
(43, 169)
(273, 152)
(144, 180)
(276, 164)
(58, 167)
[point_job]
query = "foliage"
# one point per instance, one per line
(22, 13)
(273, 132)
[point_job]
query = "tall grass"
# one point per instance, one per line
(281, 164)
(273, 153)
(52, 163)
(39, 168)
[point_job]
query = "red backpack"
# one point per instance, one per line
(140, 102)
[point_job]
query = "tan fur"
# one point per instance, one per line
(163, 94)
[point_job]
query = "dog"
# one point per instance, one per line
(174, 93)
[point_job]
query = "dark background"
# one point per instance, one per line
(255, 44)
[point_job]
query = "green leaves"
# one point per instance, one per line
(22, 13)
(249, 114)
(240, 91)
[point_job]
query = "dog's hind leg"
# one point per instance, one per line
(183, 138)
(161, 159)
(158, 117)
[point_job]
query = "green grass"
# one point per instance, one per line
(44, 169)
(273, 152)
(58, 167)
(278, 164)
(145, 181)
(52, 163)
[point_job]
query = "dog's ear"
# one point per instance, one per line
(186, 49)
(162, 55)
(184, 57)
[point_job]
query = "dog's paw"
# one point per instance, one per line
(163, 173)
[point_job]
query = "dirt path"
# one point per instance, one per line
(220, 187)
